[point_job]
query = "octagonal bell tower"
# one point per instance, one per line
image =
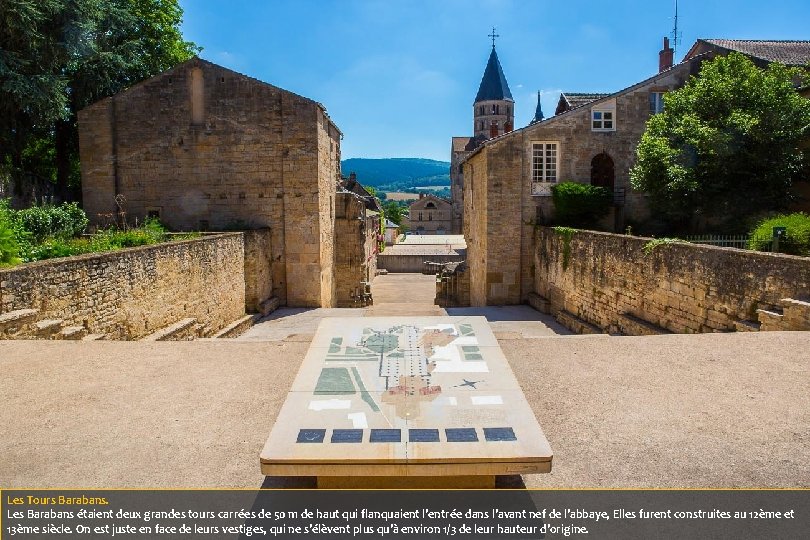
(494, 108)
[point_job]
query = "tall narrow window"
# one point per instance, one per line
(197, 101)
(544, 166)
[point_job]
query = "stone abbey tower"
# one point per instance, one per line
(493, 115)
(494, 108)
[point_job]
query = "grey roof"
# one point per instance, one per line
(578, 99)
(493, 83)
(791, 53)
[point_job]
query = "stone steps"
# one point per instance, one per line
(575, 324)
(48, 328)
(747, 326)
(14, 322)
(174, 332)
(632, 325)
(769, 319)
(73, 333)
(238, 327)
(269, 306)
(796, 314)
(539, 303)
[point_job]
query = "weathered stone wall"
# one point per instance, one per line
(606, 283)
(356, 233)
(453, 286)
(475, 226)
(206, 148)
(131, 293)
(258, 269)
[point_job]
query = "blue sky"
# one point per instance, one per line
(399, 77)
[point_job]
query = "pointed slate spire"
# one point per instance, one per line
(493, 84)
(538, 113)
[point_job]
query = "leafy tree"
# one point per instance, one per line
(393, 212)
(726, 145)
(58, 56)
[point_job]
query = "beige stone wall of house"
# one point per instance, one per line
(204, 147)
(476, 226)
(430, 215)
(606, 283)
(127, 294)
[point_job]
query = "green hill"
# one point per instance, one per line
(393, 174)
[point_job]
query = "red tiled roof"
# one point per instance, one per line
(791, 53)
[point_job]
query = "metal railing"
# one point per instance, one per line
(739, 241)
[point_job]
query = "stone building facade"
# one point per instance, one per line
(430, 215)
(203, 147)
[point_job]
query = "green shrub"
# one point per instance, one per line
(9, 250)
(68, 220)
(796, 240)
(64, 221)
(37, 221)
(580, 205)
(59, 247)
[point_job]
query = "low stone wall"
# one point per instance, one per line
(453, 286)
(129, 294)
(605, 282)
(258, 270)
(413, 263)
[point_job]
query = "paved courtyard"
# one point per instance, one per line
(403, 294)
(720, 410)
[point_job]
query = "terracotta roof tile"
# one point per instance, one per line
(791, 53)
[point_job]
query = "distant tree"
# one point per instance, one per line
(393, 212)
(726, 145)
(58, 56)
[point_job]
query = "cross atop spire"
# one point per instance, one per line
(493, 35)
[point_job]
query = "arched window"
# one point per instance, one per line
(602, 171)
(430, 205)
(493, 129)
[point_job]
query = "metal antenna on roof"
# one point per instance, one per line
(675, 33)
(493, 35)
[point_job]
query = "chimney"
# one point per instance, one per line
(353, 176)
(665, 57)
(421, 195)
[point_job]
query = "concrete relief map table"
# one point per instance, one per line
(405, 402)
